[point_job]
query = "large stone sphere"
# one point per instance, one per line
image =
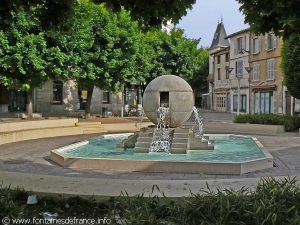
(170, 91)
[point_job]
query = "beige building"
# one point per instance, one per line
(221, 80)
(250, 76)
(218, 61)
(238, 71)
(268, 95)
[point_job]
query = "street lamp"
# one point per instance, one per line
(242, 51)
(249, 69)
(229, 70)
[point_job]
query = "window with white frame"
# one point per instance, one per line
(256, 72)
(270, 41)
(221, 101)
(255, 45)
(271, 69)
(239, 68)
(240, 43)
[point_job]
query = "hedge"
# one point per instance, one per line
(290, 123)
(275, 202)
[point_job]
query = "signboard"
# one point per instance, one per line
(83, 94)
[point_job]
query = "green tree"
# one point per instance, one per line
(291, 64)
(198, 80)
(175, 54)
(152, 13)
(103, 47)
(280, 16)
(26, 61)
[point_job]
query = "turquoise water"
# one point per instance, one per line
(227, 149)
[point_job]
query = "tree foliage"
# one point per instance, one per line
(103, 48)
(149, 13)
(152, 13)
(26, 60)
(290, 64)
(50, 12)
(23, 52)
(175, 54)
(280, 16)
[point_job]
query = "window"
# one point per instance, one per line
(57, 92)
(263, 102)
(243, 103)
(239, 69)
(218, 59)
(255, 45)
(219, 74)
(240, 43)
(271, 65)
(256, 72)
(227, 72)
(270, 41)
(221, 101)
(164, 99)
(226, 57)
(105, 97)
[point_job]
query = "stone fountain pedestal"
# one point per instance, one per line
(183, 141)
(168, 102)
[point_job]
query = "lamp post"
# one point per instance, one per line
(249, 69)
(229, 70)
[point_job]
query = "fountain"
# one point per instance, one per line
(161, 140)
(172, 145)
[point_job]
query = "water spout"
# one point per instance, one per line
(161, 140)
(198, 129)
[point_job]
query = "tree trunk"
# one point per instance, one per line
(29, 106)
(88, 102)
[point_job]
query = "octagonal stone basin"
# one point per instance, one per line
(233, 154)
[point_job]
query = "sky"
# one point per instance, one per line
(201, 21)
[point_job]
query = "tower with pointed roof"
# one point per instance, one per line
(219, 39)
(219, 48)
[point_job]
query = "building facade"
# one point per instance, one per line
(66, 98)
(267, 90)
(218, 60)
(249, 77)
(238, 71)
(221, 80)
(58, 98)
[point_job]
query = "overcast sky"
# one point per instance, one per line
(202, 20)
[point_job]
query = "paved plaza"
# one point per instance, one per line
(27, 164)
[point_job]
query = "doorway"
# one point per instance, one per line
(288, 105)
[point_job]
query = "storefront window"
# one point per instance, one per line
(263, 102)
(243, 103)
